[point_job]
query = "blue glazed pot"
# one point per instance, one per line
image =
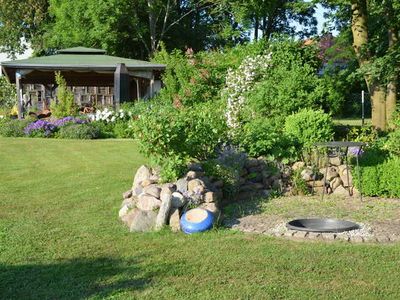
(196, 220)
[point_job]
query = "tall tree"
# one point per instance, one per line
(375, 31)
(268, 17)
(22, 23)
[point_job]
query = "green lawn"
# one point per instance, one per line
(352, 121)
(60, 238)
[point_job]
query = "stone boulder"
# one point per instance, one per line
(130, 202)
(137, 190)
(143, 173)
(341, 190)
(193, 175)
(298, 165)
(332, 173)
(335, 161)
(163, 214)
(307, 174)
(335, 183)
(127, 194)
(210, 197)
(147, 182)
(178, 200)
(166, 192)
(142, 221)
(152, 190)
(123, 211)
(148, 202)
(182, 185)
(343, 176)
(196, 186)
(174, 220)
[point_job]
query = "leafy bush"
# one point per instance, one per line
(309, 126)
(227, 167)
(165, 132)
(299, 185)
(13, 127)
(262, 136)
(8, 95)
(122, 130)
(66, 104)
(366, 134)
(106, 130)
(380, 174)
(393, 142)
(78, 131)
(228, 174)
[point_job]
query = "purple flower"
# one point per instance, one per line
(67, 120)
(355, 151)
(40, 127)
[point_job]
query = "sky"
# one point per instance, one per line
(319, 15)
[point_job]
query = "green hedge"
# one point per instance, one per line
(380, 174)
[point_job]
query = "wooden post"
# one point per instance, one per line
(152, 86)
(121, 85)
(137, 89)
(19, 96)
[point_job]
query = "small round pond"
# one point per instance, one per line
(321, 225)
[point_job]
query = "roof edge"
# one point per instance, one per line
(85, 67)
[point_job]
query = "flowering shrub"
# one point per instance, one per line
(40, 128)
(67, 120)
(110, 116)
(239, 82)
(43, 128)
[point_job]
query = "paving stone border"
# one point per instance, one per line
(366, 234)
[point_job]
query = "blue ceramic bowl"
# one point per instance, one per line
(197, 220)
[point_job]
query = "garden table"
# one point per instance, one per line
(340, 149)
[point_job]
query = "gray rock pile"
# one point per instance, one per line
(151, 205)
(338, 177)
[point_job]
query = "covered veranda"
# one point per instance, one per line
(130, 79)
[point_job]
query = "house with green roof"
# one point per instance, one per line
(85, 69)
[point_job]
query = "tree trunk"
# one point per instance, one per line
(391, 93)
(378, 100)
(391, 100)
(256, 26)
(152, 26)
(359, 28)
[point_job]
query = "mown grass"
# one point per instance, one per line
(60, 238)
(352, 121)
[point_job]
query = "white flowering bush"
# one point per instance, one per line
(239, 82)
(110, 116)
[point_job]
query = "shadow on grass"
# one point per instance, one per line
(71, 279)
(239, 209)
